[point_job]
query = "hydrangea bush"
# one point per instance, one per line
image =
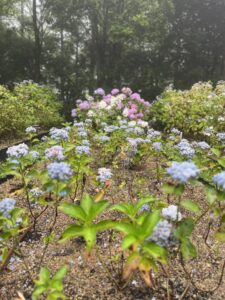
(110, 132)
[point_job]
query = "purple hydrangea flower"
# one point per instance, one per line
(114, 92)
(99, 92)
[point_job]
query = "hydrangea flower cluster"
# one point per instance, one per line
(104, 174)
(83, 149)
(176, 131)
(84, 105)
(219, 180)
(185, 148)
(184, 171)
(221, 136)
(144, 208)
(161, 233)
(157, 146)
(60, 171)
(171, 213)
(153, 134)
(30, 129)
(55, 153)
(18, 151)
(203, 145)
(99, 91)
(73, 113)
(59, 134)
(34, 154)
(6, 206)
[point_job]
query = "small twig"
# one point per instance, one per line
(185, 291)
(193, 283)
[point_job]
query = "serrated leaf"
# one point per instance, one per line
(188, 250)
(156, 251)
(191, 206)
(73, 211)
(60, 274)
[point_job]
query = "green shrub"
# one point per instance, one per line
(191, 111)
(28, 104)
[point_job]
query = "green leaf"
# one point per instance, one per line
(60, 274)
(188, 250)
(156, 251)
(126, 228)
(44, 276)
(216, 152)
(185, 229)
(123, 208)
(144, 200)
(128, 241)
(73, 211)
(220, 236)
(86, 203)
(72, 231)
(96, 209)
(191, 206)
(56, 295)
(104, 225)
(38, 291)
(150, 222)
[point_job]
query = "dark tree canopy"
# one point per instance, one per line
(147, 44)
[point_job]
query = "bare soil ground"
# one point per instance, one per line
(90, 279)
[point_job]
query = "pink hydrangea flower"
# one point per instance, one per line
(127, 91)
(85, 105)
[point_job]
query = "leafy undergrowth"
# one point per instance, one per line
(109, 208)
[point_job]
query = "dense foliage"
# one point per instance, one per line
(146, 44)
(193, 111)
(152, 226)
(27, 104)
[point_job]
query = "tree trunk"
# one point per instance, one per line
(37, 45)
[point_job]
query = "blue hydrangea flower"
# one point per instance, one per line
(185, 149)
(176, 131)
(82, 149)
(184, 171)
(203, 145)
(171, 213)
(6, 206)
(55, 153)
(219, 179)
(34, 154)
(59, 170)
(104, 138)
(157, 146)
(30, 129)
(104, 174)
(221, 136)
(18, 151)
(153, 133)
(144, 208)
(59, 134)
(161, 233)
